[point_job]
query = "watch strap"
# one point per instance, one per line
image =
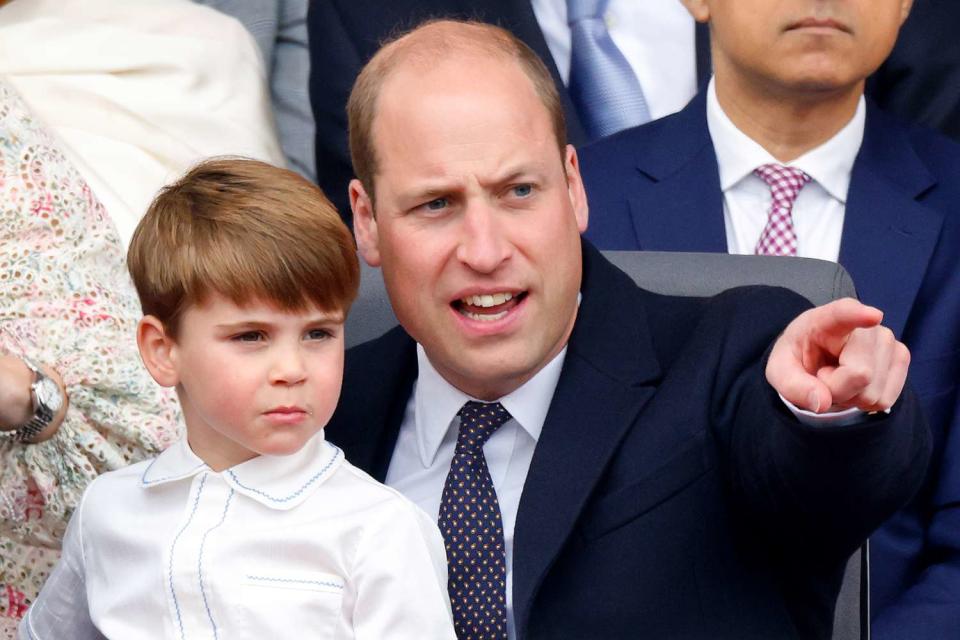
(42, 415)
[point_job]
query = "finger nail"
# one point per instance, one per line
(813, 401)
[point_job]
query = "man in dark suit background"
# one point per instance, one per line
(880, 197)
(634, 471)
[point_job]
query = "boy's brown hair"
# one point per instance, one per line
(246, 230)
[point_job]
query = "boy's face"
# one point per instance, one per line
(800, 48)
(251, 380)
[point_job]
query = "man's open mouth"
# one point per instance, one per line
(488, 307)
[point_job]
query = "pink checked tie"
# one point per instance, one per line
(778, 237)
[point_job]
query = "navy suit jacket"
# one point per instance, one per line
(344, 35)
(670, 495)
(657, 187)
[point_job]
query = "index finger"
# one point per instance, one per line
(840, 317)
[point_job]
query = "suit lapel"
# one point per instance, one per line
(600, 392)
(377, 384)
(888, 235)
(677, 204)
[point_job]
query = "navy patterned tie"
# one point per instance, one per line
(473, 531)
(602, 84)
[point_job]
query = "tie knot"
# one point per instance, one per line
(578, 10)
(784, 182)
(478, 421)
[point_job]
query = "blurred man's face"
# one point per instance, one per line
(800, 48)
(478, 216)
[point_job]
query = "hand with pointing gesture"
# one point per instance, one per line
(838, 356)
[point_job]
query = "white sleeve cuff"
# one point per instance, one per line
(843, 418)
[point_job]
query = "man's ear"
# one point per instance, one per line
(905, 7)
(699, 9)
(364, 223)
(575, 188)
(158, 351)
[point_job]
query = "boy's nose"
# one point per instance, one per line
(288, 368)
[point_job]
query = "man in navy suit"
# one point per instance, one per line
(881, 197)
(633, 472)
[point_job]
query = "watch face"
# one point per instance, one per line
(48, 393)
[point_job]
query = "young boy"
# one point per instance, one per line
(253, 526)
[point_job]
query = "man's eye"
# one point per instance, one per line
(249, 336)
(319, 334)
(437, 204)
(522, 190)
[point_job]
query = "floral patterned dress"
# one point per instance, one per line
(66, 300)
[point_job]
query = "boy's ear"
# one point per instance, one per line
(364, 223)
(157, 350)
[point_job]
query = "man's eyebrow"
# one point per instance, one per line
(516, 174)
(431, 192)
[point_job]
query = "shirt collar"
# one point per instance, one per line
(278, 482)
(437, 402)
(829, 164)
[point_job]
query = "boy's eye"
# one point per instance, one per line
(318, 334)
(249, 336)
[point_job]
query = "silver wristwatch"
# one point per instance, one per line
(47, 400)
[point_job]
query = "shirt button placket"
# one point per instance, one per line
(188, 602)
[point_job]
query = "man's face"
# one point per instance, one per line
(800, 47)
(478, 216)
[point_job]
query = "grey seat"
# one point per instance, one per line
(690, 274)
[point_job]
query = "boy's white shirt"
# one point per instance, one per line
(297, 546)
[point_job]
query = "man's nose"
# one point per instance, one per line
(483, 245)
(287, 366)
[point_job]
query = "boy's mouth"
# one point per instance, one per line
(286, 414)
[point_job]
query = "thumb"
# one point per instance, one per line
(791, 380)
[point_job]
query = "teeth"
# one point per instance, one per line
(487, 300)
(485, 317)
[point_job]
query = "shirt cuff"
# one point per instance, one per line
(843, 418)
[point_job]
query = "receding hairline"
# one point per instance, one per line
(433, 38)
(446, 40)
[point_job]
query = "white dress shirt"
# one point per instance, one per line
(819, 209)
(428, 436)
(657, 37)
(299, 546)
